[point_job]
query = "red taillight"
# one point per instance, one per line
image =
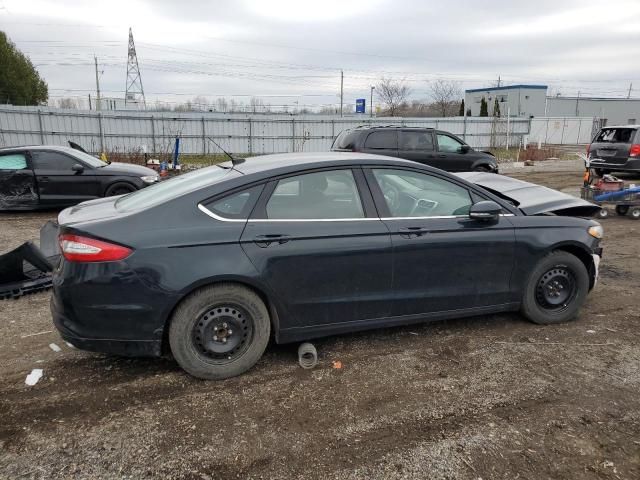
(84, 249)
(634, 151)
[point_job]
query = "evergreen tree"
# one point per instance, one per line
(496, 108)
(468, 112)
(484, 110)
(461, 111)
(20, 83)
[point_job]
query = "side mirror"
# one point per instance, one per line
(487, 210)
(465, 149)
(77, 168)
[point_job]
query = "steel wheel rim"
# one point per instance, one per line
(556, 289)
(222, 333)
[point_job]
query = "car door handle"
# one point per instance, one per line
(43, 179)
(442, 155)
(409, 232)
(263, 241)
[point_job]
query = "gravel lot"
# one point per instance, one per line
(489, 397)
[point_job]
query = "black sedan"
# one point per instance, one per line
(52, 176)
(211, 264)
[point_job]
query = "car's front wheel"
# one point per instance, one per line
(219, 331)
(119, 188)
(556, 289)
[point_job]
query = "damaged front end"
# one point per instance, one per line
(27, 269)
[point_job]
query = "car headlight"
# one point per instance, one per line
(596, 231)
(150, 178)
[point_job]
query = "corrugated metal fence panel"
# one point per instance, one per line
(561, 130)
(128, 131)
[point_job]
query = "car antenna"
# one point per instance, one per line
(234, 161)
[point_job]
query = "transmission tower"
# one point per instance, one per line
(134, 88)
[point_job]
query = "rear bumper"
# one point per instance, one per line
(631, 165)
(129, 348)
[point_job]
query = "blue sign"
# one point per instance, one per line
(361, 105)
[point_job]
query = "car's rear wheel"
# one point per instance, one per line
(635, 213)
(602, 172)
(482, 168)
(119, 188)
(556, 289)
(219, 331)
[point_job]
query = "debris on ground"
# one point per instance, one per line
(55, 347)
(34, 377)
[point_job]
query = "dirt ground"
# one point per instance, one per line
(492, 397)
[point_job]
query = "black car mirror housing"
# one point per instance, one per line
(486, 210)
(465, 149)
(77, 168)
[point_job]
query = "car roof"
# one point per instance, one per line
(305, 160)
(22, 148)
(374, 127)
(620, 126)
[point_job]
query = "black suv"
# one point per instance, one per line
(432, 147)
(615, 149)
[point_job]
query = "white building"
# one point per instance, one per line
(518, 100)
(610, 111)
(532, 101)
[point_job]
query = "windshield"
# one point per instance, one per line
(91, 160)
(346, 140)
(168, 190)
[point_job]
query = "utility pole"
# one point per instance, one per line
(371, 102)
(498, 81)
(95, 59)
(133, 90)
(630, 87)
(578, 104)
(341, 91)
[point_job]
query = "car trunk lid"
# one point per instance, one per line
(93, 210)
(530, 198)
(612, 145)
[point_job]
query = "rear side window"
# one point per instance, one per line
(320, 195)
(13, 161)
(416, 141)
(615, 135)
(52, 161)
(236, 205)
(384, 139)
(346, 140)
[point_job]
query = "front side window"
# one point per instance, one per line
(448, 144)
(419, 141)
(321, 195)
(413, 194)
(13, 161)
(236, 205)
(43, 160)
(383, 139)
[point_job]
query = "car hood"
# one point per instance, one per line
(127, 169)
(530, 198)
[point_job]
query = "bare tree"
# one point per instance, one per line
(67, 103)
(393, 93)
(446, 96)
(222, 105)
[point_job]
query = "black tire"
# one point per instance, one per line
(622, 209)
(556, 289)
(482, 168)
(232, 311)
(119, 188)
(601, 172)
(635, 213)
(603, 213)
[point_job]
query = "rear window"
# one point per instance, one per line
(615, 135)
(346, 140)
(382, 139)
(168, 190)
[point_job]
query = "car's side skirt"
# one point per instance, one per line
(295, 334)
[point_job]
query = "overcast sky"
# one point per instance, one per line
(273, 48)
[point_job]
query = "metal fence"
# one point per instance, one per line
(127, 131)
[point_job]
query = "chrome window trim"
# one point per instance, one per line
(208, 212)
